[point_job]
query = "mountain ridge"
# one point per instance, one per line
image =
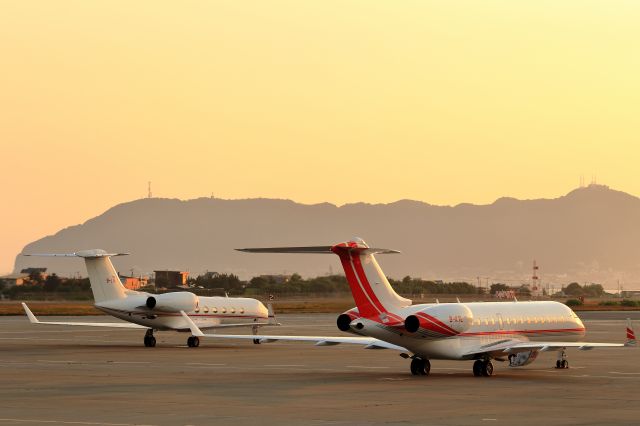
(587, 234)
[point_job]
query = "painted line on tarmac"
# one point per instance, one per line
(56, 361)
(619, 372)
(128, 362)
(69, 423)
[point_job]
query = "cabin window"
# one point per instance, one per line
(242, 310)
(233, 310)
(214, 310)
(205, 309)
(197, 309)
(224, 310)
(508, 320)
(486, 321)
(493, 321)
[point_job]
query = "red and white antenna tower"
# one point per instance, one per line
(535, 278)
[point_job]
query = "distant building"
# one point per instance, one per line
(171, 278)
(41, 272)
(15, 279)
(133, 283)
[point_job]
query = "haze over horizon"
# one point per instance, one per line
(437, 102)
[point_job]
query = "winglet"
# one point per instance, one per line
(631, 335)
(272, 315)
(32, 318)
(192, 326)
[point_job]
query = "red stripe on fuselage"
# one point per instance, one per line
(443, 328)
(499, 332)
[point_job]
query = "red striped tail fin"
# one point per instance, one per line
(371, 290)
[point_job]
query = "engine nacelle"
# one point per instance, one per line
(522, 358)
(443, 320)
(344, 320)
(173, 302)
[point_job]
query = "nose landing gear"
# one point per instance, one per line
(562, 361)
(193, 342)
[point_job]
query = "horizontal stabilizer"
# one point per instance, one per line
(87, 254)
(317, 250)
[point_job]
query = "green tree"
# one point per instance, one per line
(573, 289)
(52, 283)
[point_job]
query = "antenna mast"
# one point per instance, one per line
(149, 195)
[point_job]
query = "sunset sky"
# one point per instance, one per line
(338, 101)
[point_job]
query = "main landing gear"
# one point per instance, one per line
(420, 367)
(483, 367)
(193, 342)
(254, 330)
(149, 340)
(562, 361)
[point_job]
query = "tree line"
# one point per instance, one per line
(79, 288)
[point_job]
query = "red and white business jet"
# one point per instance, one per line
(479, 331)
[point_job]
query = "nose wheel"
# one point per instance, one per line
(562, 361)
(483, 367)
(149, 340)
(420, 367)
(193, 342)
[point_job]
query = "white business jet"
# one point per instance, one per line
(159, 312)
(481, 331)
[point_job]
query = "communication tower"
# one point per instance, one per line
(535, 280)
(149, 195)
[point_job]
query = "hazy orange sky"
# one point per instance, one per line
(338, 101)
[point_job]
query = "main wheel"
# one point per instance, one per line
(426, 367)
(487, 368)
(477, 368)
(558, 364)
(196, 341)
(420, 367)
(149, 341)
(565, 363)
(256, 341)
(415, 366)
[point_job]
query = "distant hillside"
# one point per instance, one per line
(591, 234)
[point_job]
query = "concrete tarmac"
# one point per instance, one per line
(90, 376)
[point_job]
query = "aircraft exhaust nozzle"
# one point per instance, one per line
(412, 324)
(151, 302)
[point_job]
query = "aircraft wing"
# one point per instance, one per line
(511, 346)
(367, 342)
(34, 320)
(245, 324)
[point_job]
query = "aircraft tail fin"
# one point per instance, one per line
(103, 277)
(370, 288)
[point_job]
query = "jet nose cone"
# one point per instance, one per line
(262, 310)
